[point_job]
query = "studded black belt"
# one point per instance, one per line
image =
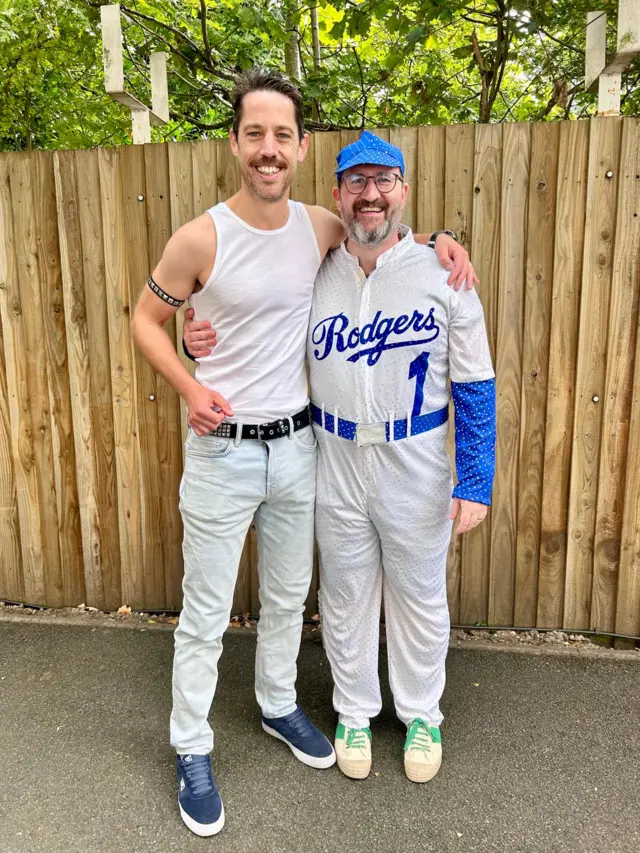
(264, 432)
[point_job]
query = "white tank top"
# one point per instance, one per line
(258, 300)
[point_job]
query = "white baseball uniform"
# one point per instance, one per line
(381, 351)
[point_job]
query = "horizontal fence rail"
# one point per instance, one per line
(91, 438)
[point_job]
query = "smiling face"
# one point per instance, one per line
(371, 216)
(268, 145)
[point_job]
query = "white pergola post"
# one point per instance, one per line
(141, 116)
(608, 75)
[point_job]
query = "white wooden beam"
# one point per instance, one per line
(159, 85)
(140, 126)
(595, 59)
(609, 94)
(628, 46)
(141, 116)
(112, 49)
(606, 75)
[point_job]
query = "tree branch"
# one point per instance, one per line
(205, 34)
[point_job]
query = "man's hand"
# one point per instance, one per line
(206, 409)
(199, 337)
(468, 513)
(454, 257)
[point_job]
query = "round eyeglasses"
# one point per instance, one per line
(357, 184)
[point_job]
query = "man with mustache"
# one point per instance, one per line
(251, 264)
(386, 336)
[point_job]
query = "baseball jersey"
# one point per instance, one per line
(399, 344)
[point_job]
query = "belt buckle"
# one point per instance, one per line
(278, 429)
(367, 434)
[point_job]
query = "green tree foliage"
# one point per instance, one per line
(375, 62)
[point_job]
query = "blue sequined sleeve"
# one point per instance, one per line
(475, 419)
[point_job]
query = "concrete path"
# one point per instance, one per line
(542, 754)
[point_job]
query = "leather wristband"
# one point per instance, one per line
(432, 242)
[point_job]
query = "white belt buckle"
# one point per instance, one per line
(371, 434)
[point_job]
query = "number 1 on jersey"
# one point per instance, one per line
(418, 368)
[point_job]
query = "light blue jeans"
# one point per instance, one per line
(223, 487)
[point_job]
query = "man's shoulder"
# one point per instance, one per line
(196, 238)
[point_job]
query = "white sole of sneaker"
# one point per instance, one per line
(309, 760)
(420, 773)
(204, 830)
(354, 769)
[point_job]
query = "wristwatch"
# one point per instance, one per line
(432, 242)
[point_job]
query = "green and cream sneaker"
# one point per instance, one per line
(422, 751)
(353, 751)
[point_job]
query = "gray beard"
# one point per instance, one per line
(373, 237)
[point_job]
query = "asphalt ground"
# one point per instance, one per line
(541, 754)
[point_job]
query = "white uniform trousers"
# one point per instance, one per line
(382, 526)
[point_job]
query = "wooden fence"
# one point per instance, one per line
(90, 437)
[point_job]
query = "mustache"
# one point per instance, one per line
(263, 162)
(380, 203)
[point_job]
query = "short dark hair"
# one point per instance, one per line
(264, 80)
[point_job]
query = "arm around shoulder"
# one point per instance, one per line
(328, 227)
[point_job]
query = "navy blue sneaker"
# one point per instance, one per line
(305, 741)
(200, 804)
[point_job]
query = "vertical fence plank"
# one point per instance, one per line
(485, 164)
(509, 333)
(628, 601)
(11, 578)
(79, 372)
(429, 189)
(563, 347)
(51, 590)
(53, 315)
(227, 170)
(123, 381)
(31, 583)
(182, 210)
(429, 186)
(10, 558)
(205, 175)
(327, 146)
(303, 187)
(146, 382)
(406, 139)
(459, 176)
(604, 155)
(535, 363)
(100, 397)
(169, 459)
(623, 322)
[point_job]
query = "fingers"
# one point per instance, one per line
(192, 326)
(189, 314)
(443, 254)
(225, 408)
(198, 350)
(204, 420)
(472, 278)
(470, 518)
(207, 337)
(455, 508)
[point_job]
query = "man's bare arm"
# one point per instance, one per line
(188, 253)
(328, 227)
